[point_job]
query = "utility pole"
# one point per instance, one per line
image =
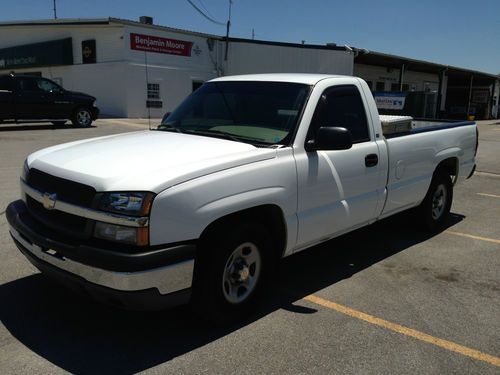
(253, 34)
(227, 29)
(55, 10)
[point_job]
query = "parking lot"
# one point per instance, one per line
(384, 299)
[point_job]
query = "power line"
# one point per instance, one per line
(206, 9)
(204, 15)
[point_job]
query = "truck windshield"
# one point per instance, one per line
(260, 113)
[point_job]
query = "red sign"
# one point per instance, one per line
(157, 44)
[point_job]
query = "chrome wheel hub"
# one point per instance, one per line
(83, 118)
(438, 202)
(241, 273)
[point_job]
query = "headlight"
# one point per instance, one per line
(119, 233)
(25, 171)
(125, 203)
(128, 203)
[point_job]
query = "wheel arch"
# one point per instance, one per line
(450, 166)
(268, 215)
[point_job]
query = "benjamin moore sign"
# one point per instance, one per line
(55, 52)
(157, 44)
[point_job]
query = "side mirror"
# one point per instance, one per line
(330, 138)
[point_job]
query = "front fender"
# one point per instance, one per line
(182, 212)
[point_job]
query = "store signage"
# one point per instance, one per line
(55, 52)
(390, 100)
(158, 44)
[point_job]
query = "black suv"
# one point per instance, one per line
(25, 98)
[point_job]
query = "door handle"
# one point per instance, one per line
(371, 160)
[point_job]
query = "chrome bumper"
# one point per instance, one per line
(166, 279)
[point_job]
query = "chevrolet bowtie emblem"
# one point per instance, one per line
(49, 200)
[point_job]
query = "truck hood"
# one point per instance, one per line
(80, 95)
(144, 161)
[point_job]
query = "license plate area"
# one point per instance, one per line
(53, 253)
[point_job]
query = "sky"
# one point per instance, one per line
(461, 33)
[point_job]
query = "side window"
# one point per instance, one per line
(342, 106)
(5, 84)
(28, 84)
(46, 85)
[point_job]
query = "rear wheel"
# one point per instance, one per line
(435, 207)
(82, 118)
(230, 270)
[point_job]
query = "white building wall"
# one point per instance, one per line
(245, 58)
(175, 74)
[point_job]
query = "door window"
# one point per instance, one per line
(47, 86)
(28, 84)
(342, 106)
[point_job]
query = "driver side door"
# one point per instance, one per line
(338, 189)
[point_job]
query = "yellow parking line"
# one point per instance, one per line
(489, 195)
(473, 237)
(445, 344)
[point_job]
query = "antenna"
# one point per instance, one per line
(55, 10)
(147, 84)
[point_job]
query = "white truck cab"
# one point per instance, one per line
(247, 170)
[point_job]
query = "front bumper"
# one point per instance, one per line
(95, 112)
(148, 280)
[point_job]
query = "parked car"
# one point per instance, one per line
(247, 170)
(27, 98)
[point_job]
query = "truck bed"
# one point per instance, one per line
(397, 126)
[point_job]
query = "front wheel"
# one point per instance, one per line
(435, 207)
(82, 118)
(231, 268)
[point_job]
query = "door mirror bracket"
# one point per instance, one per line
(330, 138)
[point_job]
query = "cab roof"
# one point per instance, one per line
(305, 78)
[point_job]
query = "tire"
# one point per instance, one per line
(231, 267)
(59, 123)
(82, 117)
(435, 207)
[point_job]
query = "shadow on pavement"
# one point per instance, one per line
(38, 126)
(82, 336)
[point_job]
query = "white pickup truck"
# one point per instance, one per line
(247, 170)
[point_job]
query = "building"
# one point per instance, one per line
(137, 69)
(442, 91)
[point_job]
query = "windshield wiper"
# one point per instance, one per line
(214, 132)
(168, 128)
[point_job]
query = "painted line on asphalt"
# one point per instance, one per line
(487, 174)
(445, 344)
(488, 195)
(493, 240)
(119, 122)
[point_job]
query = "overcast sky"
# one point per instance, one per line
(462, 33)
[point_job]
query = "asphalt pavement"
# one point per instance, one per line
(387, 298)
